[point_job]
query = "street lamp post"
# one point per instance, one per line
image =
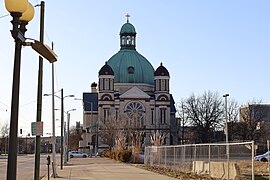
(62, 123)
(22, 12)
(17, 10)
(65, 153)
(226, 131)
(68, 124)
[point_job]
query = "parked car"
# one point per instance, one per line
(73, 154)
(263, 157)
(101, 154)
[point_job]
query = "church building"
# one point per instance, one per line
(130, 90)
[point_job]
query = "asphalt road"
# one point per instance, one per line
(25, 167)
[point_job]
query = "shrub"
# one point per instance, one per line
(125, 155)
(107, 154)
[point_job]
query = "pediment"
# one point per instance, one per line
(134, 93)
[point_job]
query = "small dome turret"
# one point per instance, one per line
(161, 71)
(128, 28)
(94, 85)
(128, 35)
(106, 70)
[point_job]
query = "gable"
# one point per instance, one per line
(134, 93)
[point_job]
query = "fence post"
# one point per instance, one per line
(209, 151)
(174, 156)
(228, 160)
(165, 156)
(184, 154)
(268, 159)
(252, 156)
(159, 154)
(195, 152)
(194, 158)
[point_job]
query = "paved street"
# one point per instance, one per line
(25, 166)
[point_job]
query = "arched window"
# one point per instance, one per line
(135, 112)
(123, 40)
(162, 116)
(133, 40)
(128, 40)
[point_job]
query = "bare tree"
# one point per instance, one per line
(74, 138)
(4, 131)
(233, 112)
(112, 131)
(205, 114)
(157, 139)
(251, 118)
(183, 120)
(123, 132)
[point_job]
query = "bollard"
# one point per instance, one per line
(48, 164)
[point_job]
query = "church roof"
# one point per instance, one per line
(106, 70)
(127, 28)
(128, 65)
(172, 104)
(161, 71)
(90, 100)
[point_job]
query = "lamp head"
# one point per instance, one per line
(16, 6)
(28, 14)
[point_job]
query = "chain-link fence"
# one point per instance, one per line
(225, 161)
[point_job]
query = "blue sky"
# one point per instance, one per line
(206, 45)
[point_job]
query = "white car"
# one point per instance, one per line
(73, 154)
(263, 157)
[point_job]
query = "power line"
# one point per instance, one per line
(48, 36)
(4, 16)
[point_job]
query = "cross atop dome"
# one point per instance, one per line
(127, 16)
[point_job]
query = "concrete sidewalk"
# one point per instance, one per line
(103, 168)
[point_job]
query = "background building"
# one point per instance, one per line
(131, 98)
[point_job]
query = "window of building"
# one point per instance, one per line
(105, 115)
(152, 116)
(162, 116)
(123, 40)
(116, 114)
(133, 40)
(163, 85)
(131, 70)
(135, 112)
(128, 40)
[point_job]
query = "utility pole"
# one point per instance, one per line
(68, 146)
(227, 140)
(62, 126)
(53, 126)
(39, 93)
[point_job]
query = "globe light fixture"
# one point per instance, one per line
(16, 6)
(28, 14)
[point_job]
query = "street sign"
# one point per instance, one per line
(37, 128)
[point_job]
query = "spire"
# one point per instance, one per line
(127, 16)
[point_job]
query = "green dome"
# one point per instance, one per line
(127, 28)
(129, 66)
